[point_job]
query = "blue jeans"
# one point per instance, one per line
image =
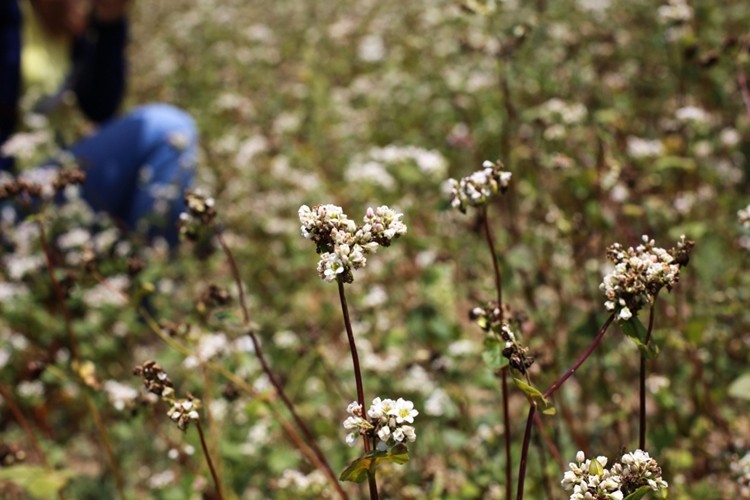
(138, 166)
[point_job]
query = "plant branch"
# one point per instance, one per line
(217, 483)
(525, 450)
(270, 374)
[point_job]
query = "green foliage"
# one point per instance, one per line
(358, 470)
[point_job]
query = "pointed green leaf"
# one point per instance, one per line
(37, 481)
(536, 395)
(493, 354)
(634, 329)
(639, 493)
(358, 470)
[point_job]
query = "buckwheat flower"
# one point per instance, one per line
(384, 434)
(479, 188)
(383, 225)
(404, 411)
(354, 408)
(640, 273)
(376, 410)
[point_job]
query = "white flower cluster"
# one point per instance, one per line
(744, 217)
(589, 479)
(342, 244)
(386, 419)
(741, 471)
(640, 273)
(480, 187)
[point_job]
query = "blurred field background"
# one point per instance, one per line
(617, 119)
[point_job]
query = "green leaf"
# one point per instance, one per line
(634, 329)
(595, 467)
(39, 482)
(740, 388)
(640, 493)
(361, 467)
(536, 395)
(493, 354)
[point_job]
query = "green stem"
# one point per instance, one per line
(642, 382)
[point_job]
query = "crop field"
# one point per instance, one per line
(530, 221)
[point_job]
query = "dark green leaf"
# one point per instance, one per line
(358, 469)
(634, 329)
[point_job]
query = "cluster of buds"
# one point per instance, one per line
(20, 188)
(490, 319)
(341, 243)
(212, 296)
(387, 423)
(590, 479)
(200, 213)
(744, 217)
(640, 273)
(480, 187)
(69, 177)
(25, 188)
(156, 380)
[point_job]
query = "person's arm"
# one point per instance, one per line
(10, 73)
(99, 61)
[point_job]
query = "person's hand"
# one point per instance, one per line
(107, 11)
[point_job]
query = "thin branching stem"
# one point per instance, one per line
(642, 382)
(270, 374)
(73, 346)
(504, 370)
(357, 379)
(548, 393)
(565, 376)
(217, 483)
(743, 86)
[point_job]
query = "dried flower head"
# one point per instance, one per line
(184, 411)
(490, 319)
(640, 273)
(480, 187)
(200, 214)
(155, 379)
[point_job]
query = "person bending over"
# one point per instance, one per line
(137, 165)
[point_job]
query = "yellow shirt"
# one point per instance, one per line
(45, 60)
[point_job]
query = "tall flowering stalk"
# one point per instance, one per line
(343, 247)
(201, 216)
(638, 276)
(477, 190)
